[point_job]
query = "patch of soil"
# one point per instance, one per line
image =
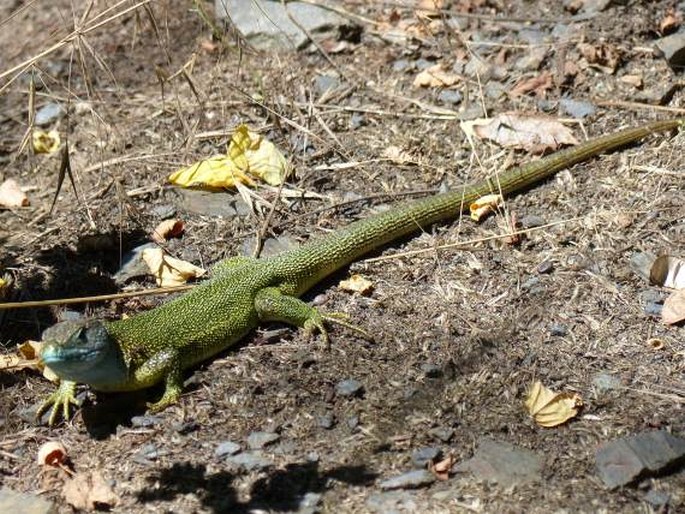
(459, 334)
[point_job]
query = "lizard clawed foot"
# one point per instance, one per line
(315, 323)
(171, 396)
(61, 400)
(340, 318)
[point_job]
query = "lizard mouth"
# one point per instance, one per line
(57, 357)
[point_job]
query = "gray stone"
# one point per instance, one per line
(145, 421)
(450, 96)
(309, 503)
(558, 330)
(503, 464)
(653, 309)
(604, 382)
(575, 108)
(24, 503)
(673, 48)
(326, 421)
(545, 267)
(268, 26)
(443, 434)
(352, 422)
(349, 388)
(627, 459)
(401, 65)
(357, 120)
(209, 203)
(422, 456)
(133, 265)
(641, 263)
(392, 502)
(325, 83)
(226, 448)
(408, 480)
(532, 221)
(258, 440)
(657, 499)
(164, 211)
(48, 113)
(247, 462)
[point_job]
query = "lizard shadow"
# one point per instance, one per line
(291, 488)
(66, 271)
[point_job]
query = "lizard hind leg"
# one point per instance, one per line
(272, 305)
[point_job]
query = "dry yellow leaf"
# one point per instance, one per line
(51, 453)
(45, 142)
(668, 272)
(216, 172)
(550, 409)
(166, 229)
(357, 284)
(435, 76)
(485, 205)
(248, 154)
(169, 271)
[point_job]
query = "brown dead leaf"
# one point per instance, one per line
(169, 271)
(89, 491)
(167, 229)
(668, 271)
(442, 469)
(670, 22)
(602, 56)
(517, 130)
(550, 409)
(539, 85)
(674, 308)
(429, 8)
(436, 76)
(485, 205)
(52, 453)
(11, 194)
(357, 284)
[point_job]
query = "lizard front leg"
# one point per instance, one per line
(64, 397)
(166, 365)
(272, 305)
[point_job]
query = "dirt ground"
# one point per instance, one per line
(459, 334)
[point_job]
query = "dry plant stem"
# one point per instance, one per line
(97, 298)
(78, 32)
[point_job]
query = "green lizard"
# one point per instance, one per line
(158, 345)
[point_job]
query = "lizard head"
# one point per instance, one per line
(82, 352)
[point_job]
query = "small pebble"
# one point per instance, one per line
(443, 434)
(558, 330)
(352, 422)
(258, 440)
(48, 113)
(186, 427)
(422, 456)
(247, 462)
(349, 387)
(431, 370)
(532, 221)
(545, 267)
(450, 96)
(409, 480)
(145, 421)
(326, 421)
(226, 448)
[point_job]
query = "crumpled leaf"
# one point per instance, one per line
(550, 409)
(169, 271)
(485, 205)
(442, 469)
(166, 229)
(357, 284)
(51, 453)
(674, 308)
(667, 271)
(248, 155)
(46, 142)
(27, 356)
(436, 76)
(516, 130)
(11, 194)
(89, 491)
